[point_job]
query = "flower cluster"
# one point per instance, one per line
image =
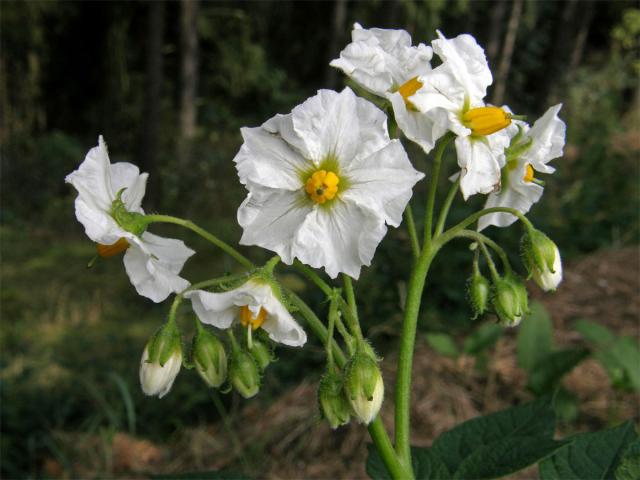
(324, 182)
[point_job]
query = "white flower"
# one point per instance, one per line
(253, 305)
(386, 64)
(452, 95)
(152, 262)
(519, 190)
(547, 278)
(322, 182)
(156, 379)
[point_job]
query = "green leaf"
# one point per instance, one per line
(443, 344)
(589, 455)
(426, 465)
(548, 371)
(506, 456)
(535, 337)
(535, 419)
(594, 332)
(210, 475)
(484, 337)
(629, 468)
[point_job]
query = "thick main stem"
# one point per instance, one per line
(405, 357)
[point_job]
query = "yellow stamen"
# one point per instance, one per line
(409, 88)
(528, 176)
(486, 120)
(110, 250)
(247, 318)
(322, 186)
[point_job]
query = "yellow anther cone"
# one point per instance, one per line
(486, 120)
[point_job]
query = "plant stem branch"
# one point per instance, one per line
(413, 235)
(433, 186)
(442, 217)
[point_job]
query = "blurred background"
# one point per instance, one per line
(169, 84)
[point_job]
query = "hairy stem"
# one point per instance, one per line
(413, 235)
(433, 186)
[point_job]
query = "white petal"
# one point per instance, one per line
(383, 182)
(217, 309)
(416, 126)
(270, 219)
(281, 326)
(515, 193)
(548, 135)
(99, 226)
(126, 175)
(467, 62)
(267, 160)
(340, 238)
(480, 166)
(92, 178)
(153, 264)
(339, 124)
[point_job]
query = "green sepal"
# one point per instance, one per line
(164, 344)
(209, 358)
(332, 402)
(478, 292)
(244, 374)
(132, 222)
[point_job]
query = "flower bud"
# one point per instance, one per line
(363, 386)
(244, 374)
(261, 353)
(478, 293)
(161, 361)
(510, 300)
(209, 358)
(333, 403)
(542, 259)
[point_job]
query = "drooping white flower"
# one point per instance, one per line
(157, 379)
(322, 182)
(254, 305)
(386, 64)
(540, 144)
(152, 262)
(452, 95)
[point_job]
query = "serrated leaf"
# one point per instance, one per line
(548, 371)
(535, 419)
(629, 467)
(589, 455)
(505, 457)
(484, 337)
(443, 344)
(535, 337)
(209, 475)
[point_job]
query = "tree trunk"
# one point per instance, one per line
(507, 52)
(150, 134)
(495, 32)
(335, 42)
(581, 36)
(188, 77)
(560, 51)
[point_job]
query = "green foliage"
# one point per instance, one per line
(620, 356)
(594, 455)
(482, 339)
(208, 475)
(443, 344)
(535, 337)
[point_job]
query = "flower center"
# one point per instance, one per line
(110, 250)
(409, 88)
(247, 318)
(322, 186)
(528, 176)
(486, 120)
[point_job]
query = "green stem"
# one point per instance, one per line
(405, 357)
(433, 187)
(492, 266)
(225, 247)
(413, 235)
(352, 315)
(314, 277)
(442, 218)
(480, 238)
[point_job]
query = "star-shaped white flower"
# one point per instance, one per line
(519, 189)
(254, 305)
(152, 262)
(323, 181)
(452, 95)
(386, 64)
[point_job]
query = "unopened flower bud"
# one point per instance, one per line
(161, 361)
(261, 353)
(244, 373)
(542, 259)
(209, 358)
(478, 293)
(333, 403)
(363, 386)
(510, 300)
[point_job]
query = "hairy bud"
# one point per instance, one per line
(161, 361)
(510, 300)
(542, 259)
(244, 374)
(478, 293)
(363, 386)
(333, 403)
(209, 358)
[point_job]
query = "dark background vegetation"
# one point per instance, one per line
(169, 85)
